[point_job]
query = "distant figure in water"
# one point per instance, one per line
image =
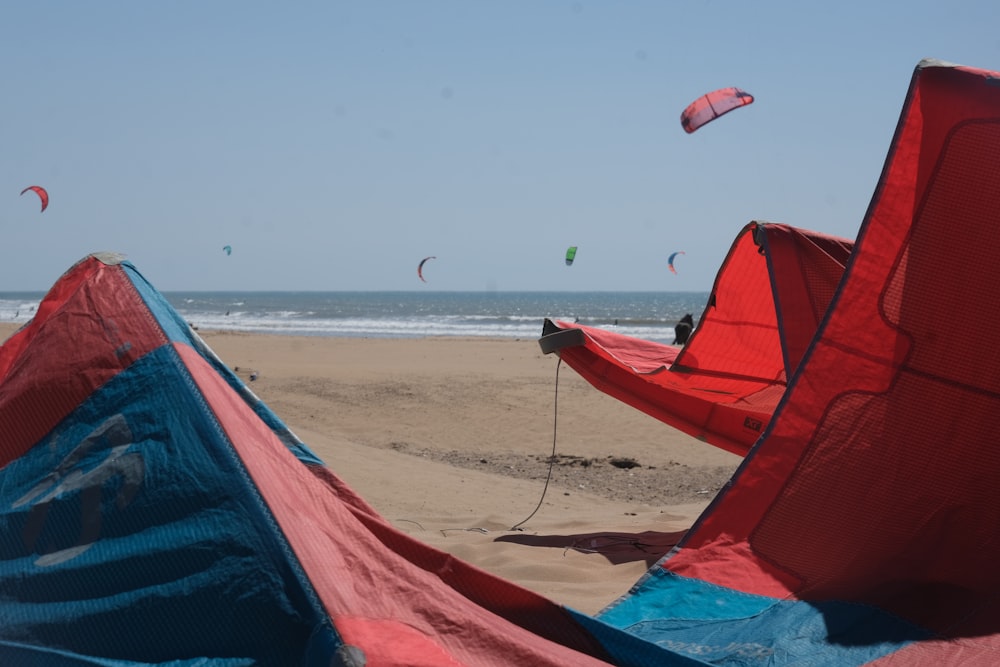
(683, 329)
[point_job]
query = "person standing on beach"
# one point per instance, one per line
(683, 329)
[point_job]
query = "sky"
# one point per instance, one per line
(333, 145)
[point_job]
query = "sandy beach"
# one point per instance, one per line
(451, 441)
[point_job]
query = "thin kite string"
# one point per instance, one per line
(552, 458)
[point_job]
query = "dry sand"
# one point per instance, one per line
(451, 441)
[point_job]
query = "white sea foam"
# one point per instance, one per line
(650, 316)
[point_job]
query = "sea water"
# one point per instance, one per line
(410, 314)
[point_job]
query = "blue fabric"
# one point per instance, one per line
(151, 502)
(721, 626)
(630, 650)
(177, 330)
(19, 655)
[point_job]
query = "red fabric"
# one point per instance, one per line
(769, 296)
(710, 106)
(30, 408)
(396, 600)
(416, 649)
(372, 577)
(877, 482)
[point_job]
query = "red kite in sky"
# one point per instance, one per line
(40, 191)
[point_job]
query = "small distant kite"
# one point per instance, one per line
(570, 255)
(670, 261)
(420, 267)
(710, 106)
(228, 249)
(40, 191)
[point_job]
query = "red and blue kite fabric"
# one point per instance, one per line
(863, 526)
(769, 296)
(154, 511)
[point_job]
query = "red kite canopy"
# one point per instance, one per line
(40, 191)
(708, 107)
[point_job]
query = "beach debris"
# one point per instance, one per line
(622, 542)
(569, 460)
(623, 462)
(253, 376)
(41, 192)
(711, 105)
(484, 531)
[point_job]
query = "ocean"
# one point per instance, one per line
(410, 314)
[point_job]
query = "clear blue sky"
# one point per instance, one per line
(335, 144)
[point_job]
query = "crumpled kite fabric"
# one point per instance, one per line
(153, 510)
(773, 289)
(861, 528)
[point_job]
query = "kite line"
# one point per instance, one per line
(552, 458)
